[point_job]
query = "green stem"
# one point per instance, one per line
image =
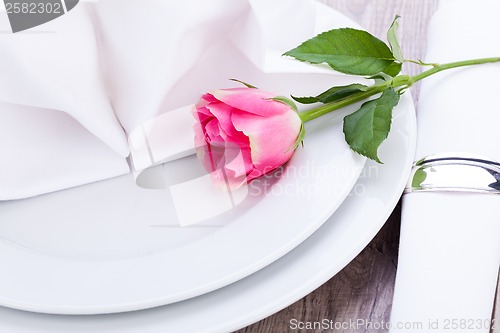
(440, 68)
(420, 62)
(329, 107)
(404, 81)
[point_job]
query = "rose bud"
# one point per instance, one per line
(244, 133)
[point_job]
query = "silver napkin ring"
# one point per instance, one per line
(458, 172)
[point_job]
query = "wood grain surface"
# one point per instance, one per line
(364, 289)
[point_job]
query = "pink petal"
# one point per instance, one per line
(271, 138)
(203, 118)
(201, 114)
(241, 163)
(251, 100)
(223, 114)
(205, 100)
(212, 130)
(199, 135)
(230, 168)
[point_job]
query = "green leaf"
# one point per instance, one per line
(306, 100)
(300, 138)
(368, 127)
(346, 50)
(418, 178)
(378, 77)
(394, 69)
(392, 38)
(333, 94)
(248, 85)
(286, 101)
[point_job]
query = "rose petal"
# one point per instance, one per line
(223, 114)
(239, 160)
(205, 100)
(271, 138)
(212, 130)
(199, 135)
(203, 119)
(251, 100)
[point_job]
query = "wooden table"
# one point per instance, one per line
(364, 289)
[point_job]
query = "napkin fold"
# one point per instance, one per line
(53, 106)
(73, 89)
(450, 242)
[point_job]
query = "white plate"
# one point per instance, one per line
(290, 278)
(111, 246)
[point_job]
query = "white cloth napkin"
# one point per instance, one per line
(53, 68)
(71, 90)
(450, 242)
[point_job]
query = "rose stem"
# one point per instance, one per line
(404, 81)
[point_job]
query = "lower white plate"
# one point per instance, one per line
(269, 290)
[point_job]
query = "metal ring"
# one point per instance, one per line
(457, 172)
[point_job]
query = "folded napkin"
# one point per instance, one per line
(73, 89)
(450, 242)
(48, 69)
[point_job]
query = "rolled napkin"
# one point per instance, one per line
(73, 89)
(450, 240)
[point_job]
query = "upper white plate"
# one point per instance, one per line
(112, 247)
(293, 276)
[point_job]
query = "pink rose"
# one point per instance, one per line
(243, 134)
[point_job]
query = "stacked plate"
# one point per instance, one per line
(112, 247)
